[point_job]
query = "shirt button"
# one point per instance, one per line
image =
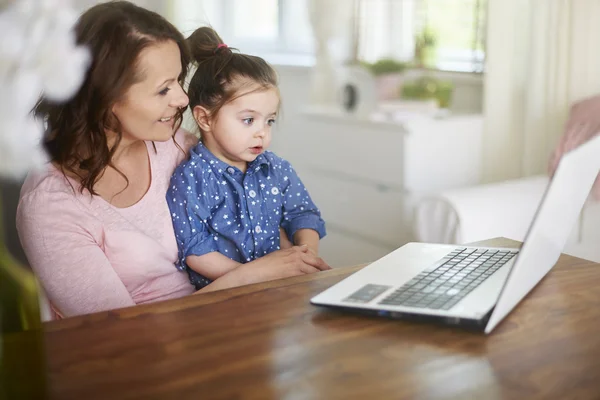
(258, 229)
(252, 193)
(230, 170)
(275, 191)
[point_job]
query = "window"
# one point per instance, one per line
(257, 20)
(459, 25)
(384, 28)
(257, 26)
(390, 28)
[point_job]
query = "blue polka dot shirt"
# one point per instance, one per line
(217, 207)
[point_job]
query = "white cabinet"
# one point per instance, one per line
(366, 176)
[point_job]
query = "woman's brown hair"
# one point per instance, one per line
(219, 68)
(115, 33)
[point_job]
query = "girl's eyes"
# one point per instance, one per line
(249, 121)
(164, 91)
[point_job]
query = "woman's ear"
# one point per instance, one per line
(202, 117)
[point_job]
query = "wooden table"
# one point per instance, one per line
(267, 342)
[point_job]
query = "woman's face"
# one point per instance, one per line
(147, 110)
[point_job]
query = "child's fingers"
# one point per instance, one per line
(303, 248)
(316, 262)
(307, 269)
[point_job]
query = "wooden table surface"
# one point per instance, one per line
(266, 341)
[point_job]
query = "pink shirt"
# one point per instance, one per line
(91, 256)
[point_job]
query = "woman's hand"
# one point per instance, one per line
(297, 260)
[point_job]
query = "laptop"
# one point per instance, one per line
(472, 287)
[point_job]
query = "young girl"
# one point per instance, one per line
(233, 201)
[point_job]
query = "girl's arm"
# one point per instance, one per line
(302, 219)
(284, 241)
(190, 212)
(309, 238)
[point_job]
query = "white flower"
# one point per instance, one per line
(38, 54)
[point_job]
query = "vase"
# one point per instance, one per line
(388, 86)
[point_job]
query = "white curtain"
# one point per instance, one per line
(542, 56)
(332, 22)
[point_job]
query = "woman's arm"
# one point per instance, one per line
(294, 261)
(212, 265)
(69, 263)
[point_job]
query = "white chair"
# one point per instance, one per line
(507, 208)
(480, 212)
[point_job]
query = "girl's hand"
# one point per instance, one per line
(297, 260)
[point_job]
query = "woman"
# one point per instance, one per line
(95, 224)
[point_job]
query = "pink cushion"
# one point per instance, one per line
(582, 125)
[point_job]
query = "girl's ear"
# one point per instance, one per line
(202, 117)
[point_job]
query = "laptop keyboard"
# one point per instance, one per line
(449, 280)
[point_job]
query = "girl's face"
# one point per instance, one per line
(148, 108)
(241, 130)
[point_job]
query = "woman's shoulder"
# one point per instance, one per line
(180, 145)
(48, 193)
(173, 152)
(46, 185)
(185, 139)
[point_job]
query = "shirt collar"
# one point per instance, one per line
(260, 161)
(221, 167)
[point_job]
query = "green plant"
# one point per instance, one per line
(426, 88)
(425, 48)
(427, 38)
(385, 66)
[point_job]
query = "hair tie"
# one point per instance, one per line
(220, 46)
